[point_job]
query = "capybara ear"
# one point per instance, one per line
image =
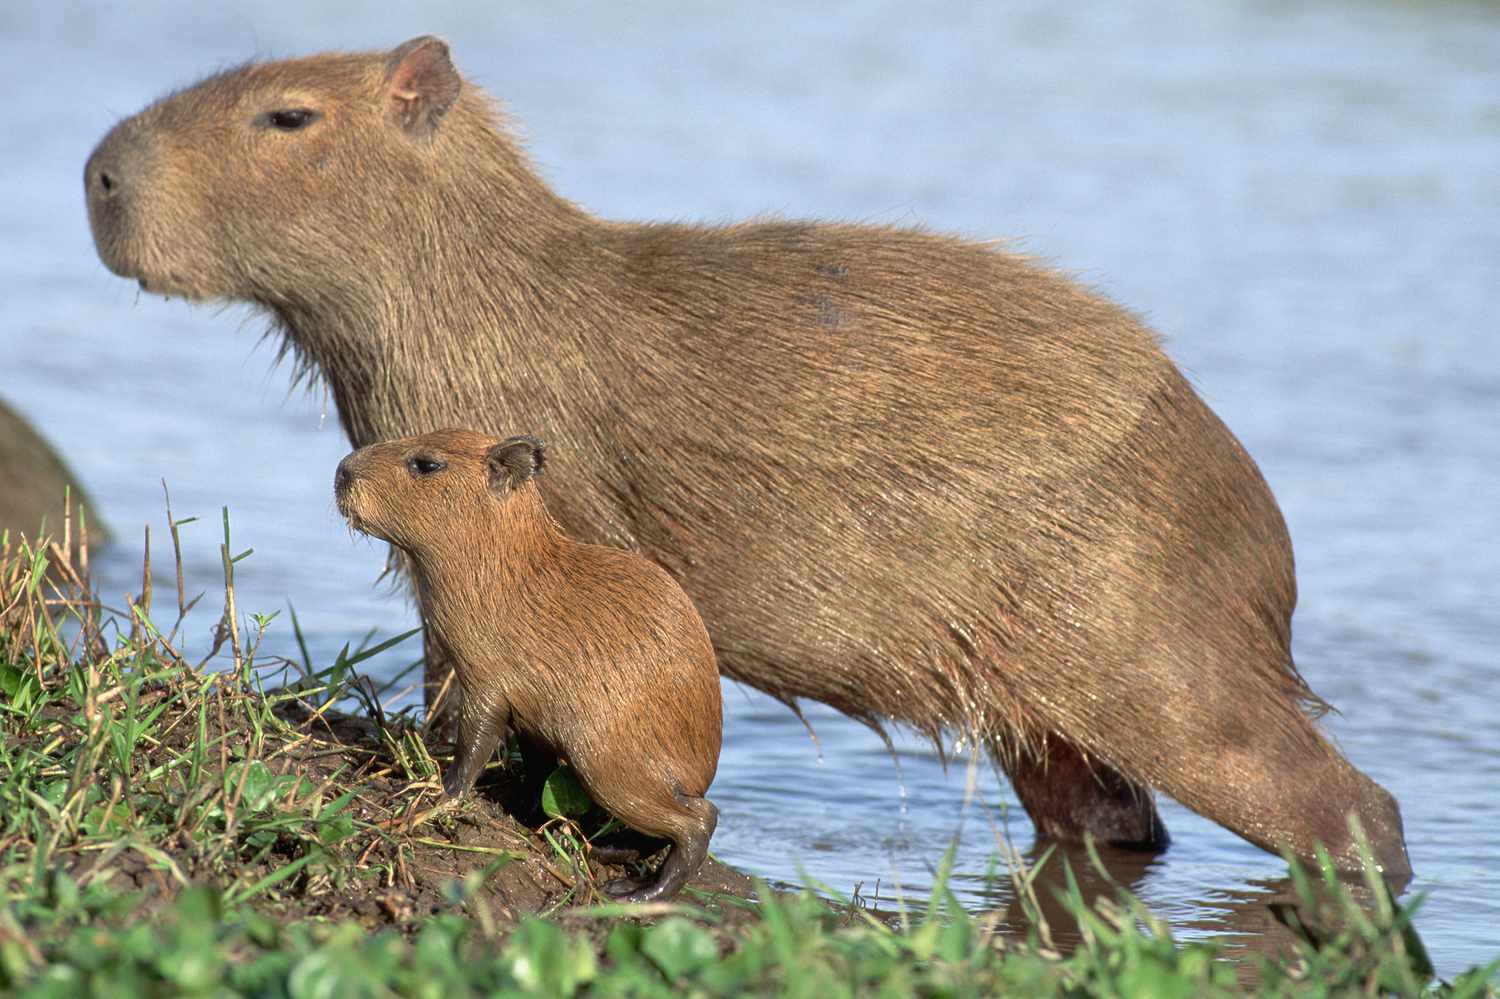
(421, 84)
(514, 462)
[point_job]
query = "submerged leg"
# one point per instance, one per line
(1068, 797)
(693, 826)
(1274, 779)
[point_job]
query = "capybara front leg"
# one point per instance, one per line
(1069, 797)
(689, 849)
(480, 732)
(1280, 784)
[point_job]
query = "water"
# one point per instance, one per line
(1301, 198)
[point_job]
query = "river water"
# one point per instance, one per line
(1304, 199)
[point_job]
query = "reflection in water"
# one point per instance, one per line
(1050, 881)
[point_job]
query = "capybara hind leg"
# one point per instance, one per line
(1069, 797)
(692, 830)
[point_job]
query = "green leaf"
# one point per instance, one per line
(53, 792)
(623, 945)
(38, 570)
(259, 782)
(545, 960)
(200, 906)
(563, 796)
(678, 947)
(11, 680)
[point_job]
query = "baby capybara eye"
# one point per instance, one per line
(422, 465)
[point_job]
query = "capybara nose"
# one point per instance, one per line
(102, 177)
(341, 479)
(118, 163)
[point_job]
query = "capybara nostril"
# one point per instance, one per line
(103, 175)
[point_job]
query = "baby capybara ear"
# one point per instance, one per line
(514, 462)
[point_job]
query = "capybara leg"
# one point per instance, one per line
(1069, 797)
(1284, 787)
(480, 731)
(693, 828)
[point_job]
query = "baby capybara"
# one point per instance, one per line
(592, 653)
(909, 475)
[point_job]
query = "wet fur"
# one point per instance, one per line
(905, 474)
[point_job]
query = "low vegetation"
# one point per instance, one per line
(252, 824)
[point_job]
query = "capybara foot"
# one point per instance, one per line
(454, 783)
(630, 890)
(668, 881)
(688, 852)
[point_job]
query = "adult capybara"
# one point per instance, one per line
(589, 652)
(902, 473)
(36, 487)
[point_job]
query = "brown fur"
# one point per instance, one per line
(589, 652)
(905, 474)
(36, 487)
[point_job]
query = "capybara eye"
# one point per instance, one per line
(290, 119)
(421, 465)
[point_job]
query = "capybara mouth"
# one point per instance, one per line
(355, 521)
(123, 258)
(166, 285)
(343, 495)
(171, 286)
(346, 510)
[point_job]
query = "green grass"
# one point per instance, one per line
(171, 829)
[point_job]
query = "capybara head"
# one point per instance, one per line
(409, 492)
(183, 194)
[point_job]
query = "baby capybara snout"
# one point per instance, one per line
(582, 651)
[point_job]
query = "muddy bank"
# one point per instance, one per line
(320, 817)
